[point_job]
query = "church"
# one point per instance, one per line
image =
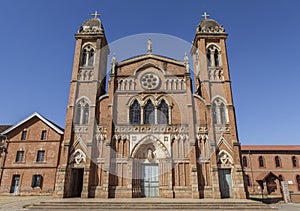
(149, 134)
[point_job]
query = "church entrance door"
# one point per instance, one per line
(149, 186)
(76, 182)
(225, 183)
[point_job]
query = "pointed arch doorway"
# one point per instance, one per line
(147, 172)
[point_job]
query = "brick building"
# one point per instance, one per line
(149, 134)
(31, 155)
(266, 166)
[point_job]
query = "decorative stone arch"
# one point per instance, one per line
(167, 99)
(159, 150)
(215, 45)
(88, 44)
(222, 140)
(224, 159)
(84, 98)
(132, 99)
(78, 157)
(218, 97)
(148, 97)
(148, 65)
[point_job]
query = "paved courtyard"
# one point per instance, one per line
(16, 203)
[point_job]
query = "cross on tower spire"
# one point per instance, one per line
(96, 14)
(205, 15)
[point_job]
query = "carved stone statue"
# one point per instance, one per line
(149, 46)
(150, 156)
(186, 62)
(113, 64)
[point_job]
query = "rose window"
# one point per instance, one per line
(150, 81)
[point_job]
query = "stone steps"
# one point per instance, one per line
(175, 204)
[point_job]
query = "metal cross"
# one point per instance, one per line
(205, 15)
(96, 14)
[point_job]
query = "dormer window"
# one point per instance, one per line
(87, 56)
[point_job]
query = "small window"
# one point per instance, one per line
(40, 156)
(295, 162)
(277, 162)
(245, 162)
(37, 181)
(261, 161)
(24, 134)
(248, 183)
(298, 181)
(20, 156)
(43, 136)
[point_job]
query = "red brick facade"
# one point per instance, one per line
(31, 158)
(280, 161)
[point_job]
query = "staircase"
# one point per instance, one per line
(148, 204)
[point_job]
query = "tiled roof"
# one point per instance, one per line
(270, 147)
(49, 123)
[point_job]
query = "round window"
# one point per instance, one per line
(150, 81)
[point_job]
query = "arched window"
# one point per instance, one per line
(219, 110)
(135, 113)
(277, 162)
(261, 161)
(214, 111)
(223, 113)
(91, 58)
(86, 114)
(245, 162)
(280, 177)
(149, 113)
(87, 56)
(209, 63)
(82, 112)
(248, 183)
(216, 55)
(298, 181)
(163, 113)
(295, 162)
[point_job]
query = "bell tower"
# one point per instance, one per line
(88, 81)
(213, 87)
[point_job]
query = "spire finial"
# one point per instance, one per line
(96, 14)
(205, 15)
(149, 46)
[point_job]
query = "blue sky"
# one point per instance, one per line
(37, 47)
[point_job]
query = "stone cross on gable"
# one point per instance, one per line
(205, 15)
(96, 14)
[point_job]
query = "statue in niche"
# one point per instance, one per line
(150, 155)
